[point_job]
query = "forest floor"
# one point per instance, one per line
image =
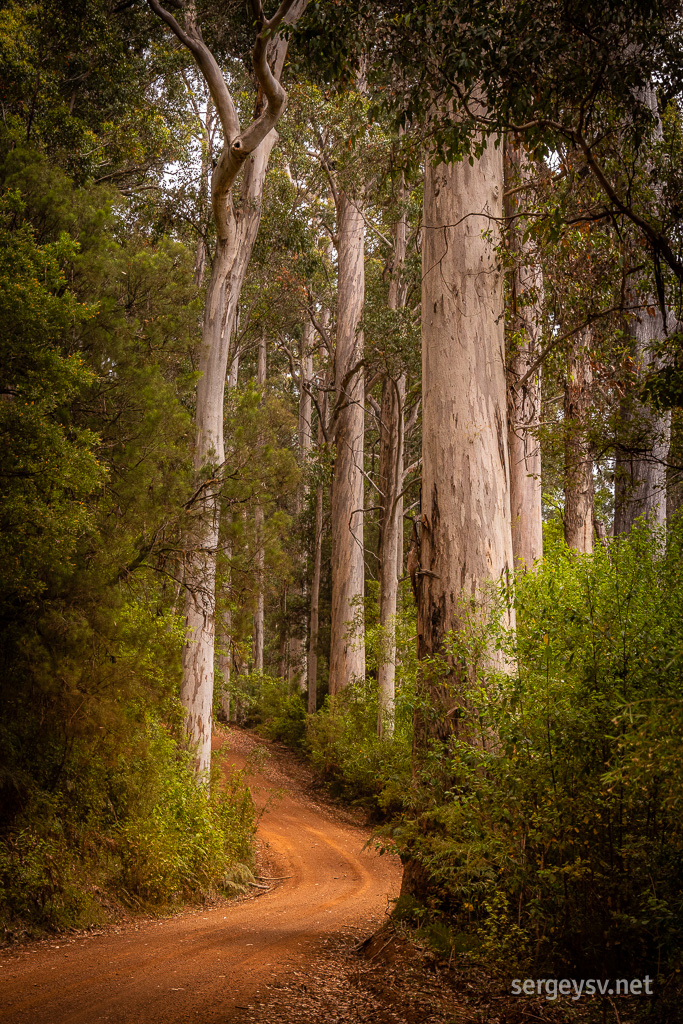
(313, 945)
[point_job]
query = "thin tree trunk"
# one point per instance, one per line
(524, 404)
(347, 644)
(391, 486)
(258, 618)
(297, 646)
(317, 568)
(225, 658)
(465, 538)
(578, 460)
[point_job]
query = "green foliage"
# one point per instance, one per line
(560, 836)
(130, 823)
(275, 707)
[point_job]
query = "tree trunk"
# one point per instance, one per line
(297, 647)
(258, 618)
(227, 276)
(347, 645)
(640, 470)
(317, 567)
(524, 403)
(225, 658)
(391, 486)
(465, 537)
(578, 460)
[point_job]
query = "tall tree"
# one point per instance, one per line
(236, 229)
(578, 459)
(347, 643)
(391, 480)
(259, 615)
(465, 537)
(524, 319)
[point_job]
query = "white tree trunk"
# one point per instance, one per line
(297, 647)
(524, 403)
(465, 537)
(231, 259)
(258, 618)
(347, 644)
(578, 458)
(640, 474)
(391, 485)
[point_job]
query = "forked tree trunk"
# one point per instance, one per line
(524, 391)
(347, 644)
(258, 618)
(578, 459)
(391, 487)
(247, 150)
(465, 538)
(297, 645)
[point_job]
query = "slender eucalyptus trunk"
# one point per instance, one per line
(524, 392)
(391, 519)
(347, 644)
(317, 568)
(465, 538)
(258, 618)
(578, 459)
(225, 658)
(297, 646)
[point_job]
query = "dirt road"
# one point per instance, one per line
(211, 965)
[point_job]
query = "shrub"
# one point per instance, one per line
(564, 841)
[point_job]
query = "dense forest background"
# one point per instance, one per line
(352, 413)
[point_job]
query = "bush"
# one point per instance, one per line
(139, 829)
(564, 842)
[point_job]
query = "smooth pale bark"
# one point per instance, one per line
(391, 478)
(347, 644)
(297, 647)
(640, 474)
(225, 658)
(245, 150)
(674, 482)
(465, 537)
(524, 402)
(317, 567)
(578, 460)
(258, 617)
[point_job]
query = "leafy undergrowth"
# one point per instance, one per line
(136, 834)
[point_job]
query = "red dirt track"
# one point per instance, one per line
(210, 965)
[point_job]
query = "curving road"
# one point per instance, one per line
(207, 966)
